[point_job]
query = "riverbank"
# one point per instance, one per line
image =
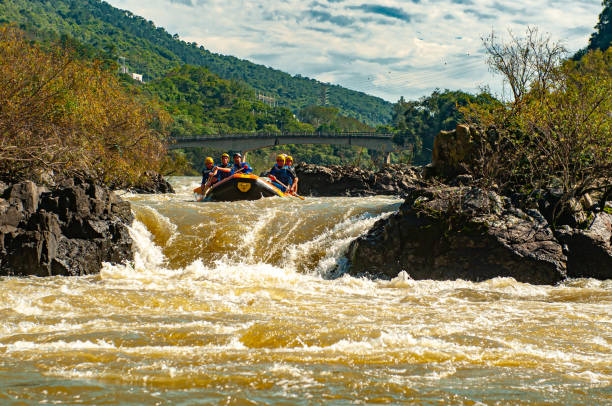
(451, 226)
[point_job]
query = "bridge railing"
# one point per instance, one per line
(272, 135)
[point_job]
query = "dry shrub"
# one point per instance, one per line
(66, 116)
(557, 131)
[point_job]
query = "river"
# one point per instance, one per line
(246, 303)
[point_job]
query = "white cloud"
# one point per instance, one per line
(389, 48)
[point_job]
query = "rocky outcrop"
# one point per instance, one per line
(589, 251)
(69, 230)
(152, 183)
(449, 233)
(317, 180)
(454, 152)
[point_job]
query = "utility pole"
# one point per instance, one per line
(324, 96)
(123, 67)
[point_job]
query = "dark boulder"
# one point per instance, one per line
(152, 183)
(334, 180)
(589, 251)
(70, 230)
(448, 233)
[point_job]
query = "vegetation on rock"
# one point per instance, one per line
(64, 115)
(556, 132)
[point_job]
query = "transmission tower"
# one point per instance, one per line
(122, 66)
(324, 96)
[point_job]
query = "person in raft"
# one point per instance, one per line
(239, 166)
(208, 173)
(289, 165)
(280, 175)
(225, 169)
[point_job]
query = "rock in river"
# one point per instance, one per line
(69, 230)
(334, 180)
(589, 252)
(447, 233)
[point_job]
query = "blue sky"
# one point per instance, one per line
(387, 48)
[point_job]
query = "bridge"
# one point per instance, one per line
(249, 142)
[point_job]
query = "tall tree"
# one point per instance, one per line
(602, 37)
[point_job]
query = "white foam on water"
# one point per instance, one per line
(61, 345)
(445, 323)
(336, 241)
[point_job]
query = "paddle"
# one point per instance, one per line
(289, 192)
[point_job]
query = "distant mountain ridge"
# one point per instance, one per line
(152, 51)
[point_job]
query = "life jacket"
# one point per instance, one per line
(282, 174)
(206, 173)
(223, 174)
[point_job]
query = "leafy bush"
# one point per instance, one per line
(65, 115)
(557, 131)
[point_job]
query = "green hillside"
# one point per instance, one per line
(153, 51)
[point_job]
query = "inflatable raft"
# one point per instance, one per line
(240, 187)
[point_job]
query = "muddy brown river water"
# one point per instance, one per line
(245, 303)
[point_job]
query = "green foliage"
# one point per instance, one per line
(557, 135)
(108, 33)
(602, 38)
(62, 114)
(202, 103)
(329, 120)
(418, 122)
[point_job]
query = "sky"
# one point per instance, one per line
(388, 48)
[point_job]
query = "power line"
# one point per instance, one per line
(401, 76)
(411, 79)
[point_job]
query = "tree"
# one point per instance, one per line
(418, 122)
(524, 62)
(602, 38)
(62, 114)
(557, 131)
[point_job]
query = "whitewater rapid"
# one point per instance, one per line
(247, 303)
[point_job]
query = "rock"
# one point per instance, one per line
(152, 183)
(23, 196)
(454, 152)
(572, 214)
(462, 180)
(69, 230)
(449, 233)
(587, 202)
(589, 252)
(317, 180)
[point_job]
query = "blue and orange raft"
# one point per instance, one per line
(239, 187)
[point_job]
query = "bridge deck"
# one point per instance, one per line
(249, 142)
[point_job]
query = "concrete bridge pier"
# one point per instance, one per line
(388, 158)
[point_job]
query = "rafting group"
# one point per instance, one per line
(231, 182)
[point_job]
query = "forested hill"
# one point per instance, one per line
(153, 51)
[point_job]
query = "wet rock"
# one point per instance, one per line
(449, 233)
(589, 251)
(333, 180)
(23, 196)
(69, 230)
(152, 183)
